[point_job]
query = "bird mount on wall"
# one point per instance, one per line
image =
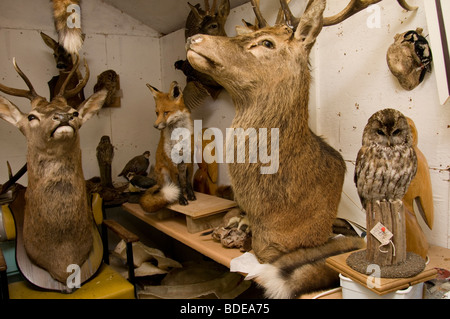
(110, 80)
(409, 58)
(209, 21)
(385, 166)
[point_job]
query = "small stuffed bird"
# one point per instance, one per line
(422, 50)
(139, 183)
(105, 154)
(137, 164)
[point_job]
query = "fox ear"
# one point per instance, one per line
(175, 91)
(154, 90)
(310, 24)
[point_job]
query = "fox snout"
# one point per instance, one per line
(159, 126)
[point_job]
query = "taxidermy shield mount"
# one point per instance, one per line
(409, 58)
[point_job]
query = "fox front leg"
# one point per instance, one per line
(182, 181)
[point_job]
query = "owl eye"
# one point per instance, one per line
(380, 132)
(396, 132)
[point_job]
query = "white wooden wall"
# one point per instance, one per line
(351, 81)
(113, 41)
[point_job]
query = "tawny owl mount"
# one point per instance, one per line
(110, 81)
(409, 58)
(386, 162)
(385, 166)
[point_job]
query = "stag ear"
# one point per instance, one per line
(310, 24)
(92, 105)
(175, 91)
(9, 112)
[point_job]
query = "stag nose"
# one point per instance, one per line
(194, 39)
(62, 117)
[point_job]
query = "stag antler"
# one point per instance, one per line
(71, 93)
(30, 94)
(355, 6)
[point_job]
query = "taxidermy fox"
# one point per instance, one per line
(174, 179)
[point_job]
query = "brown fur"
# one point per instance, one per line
(57, 227)
(308, 184)
(64, 63)
(266, 73)
(70, 38)
(171, 113)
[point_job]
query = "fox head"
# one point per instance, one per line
(170, 107)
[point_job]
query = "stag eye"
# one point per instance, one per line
(75, 114)
(32, 117)
(214, 26)
(268, 44)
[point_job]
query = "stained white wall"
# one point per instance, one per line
(113, 41)
(351, 81)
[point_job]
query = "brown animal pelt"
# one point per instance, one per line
(68, 24)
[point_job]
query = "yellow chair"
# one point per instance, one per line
(106, 283)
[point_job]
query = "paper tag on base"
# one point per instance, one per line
(381, 233)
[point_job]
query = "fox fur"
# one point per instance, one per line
(291, 212)
(69, 37)
(173, 180)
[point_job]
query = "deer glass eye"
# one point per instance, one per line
(214, 26)
(75, 114)
(32, 117)
(268, 44)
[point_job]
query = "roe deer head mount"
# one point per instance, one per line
(57, 228)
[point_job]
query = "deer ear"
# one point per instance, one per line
(9, 112)
(92, 105)
(224, 9)
(49, 41)
(310, 24)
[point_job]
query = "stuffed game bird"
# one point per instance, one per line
(137, 164)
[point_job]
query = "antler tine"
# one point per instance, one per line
(30, 94)
(355, 6)
(352, 8)
(70, 93)
(207, 6)
(406, 6)
(261, 21)
(214, 7)
(289, 19)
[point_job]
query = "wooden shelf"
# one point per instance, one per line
(176, 227)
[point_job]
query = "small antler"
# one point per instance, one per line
(30, 94)
(260, 19)
(356, 6)
(71, 93)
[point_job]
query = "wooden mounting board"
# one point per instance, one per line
(205, 205)
(387, 285)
